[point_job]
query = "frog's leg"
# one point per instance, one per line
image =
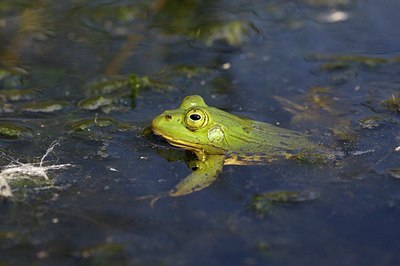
(206, 172)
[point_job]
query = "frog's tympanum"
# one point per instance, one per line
(217, 138)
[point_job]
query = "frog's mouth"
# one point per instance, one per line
(185, 145)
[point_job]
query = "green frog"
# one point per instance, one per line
(218, 138)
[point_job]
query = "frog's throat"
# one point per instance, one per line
(200, 153)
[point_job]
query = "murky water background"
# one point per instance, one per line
(92, 75)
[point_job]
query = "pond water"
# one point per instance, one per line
(89, 76)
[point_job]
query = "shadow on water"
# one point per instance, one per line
(93, 74)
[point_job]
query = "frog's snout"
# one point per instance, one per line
(160, 120)
(168, 117)
(164, 117)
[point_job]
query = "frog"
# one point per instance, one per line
(219, 138)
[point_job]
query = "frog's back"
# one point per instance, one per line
(259, 138)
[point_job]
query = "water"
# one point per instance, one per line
(327, 68)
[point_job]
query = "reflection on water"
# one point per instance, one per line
(94, 74)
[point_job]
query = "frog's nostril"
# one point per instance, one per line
(168, 117)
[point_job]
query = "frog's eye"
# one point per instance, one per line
(196, 118)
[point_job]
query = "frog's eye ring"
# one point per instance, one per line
(196, 118)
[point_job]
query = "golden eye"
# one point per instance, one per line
(196, 118)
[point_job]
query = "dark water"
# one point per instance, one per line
(337, 64)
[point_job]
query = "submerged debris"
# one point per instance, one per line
(18, 171)
(262, 203)
(5, 190)
(393, 103)
(102, 250)
(371, 122)
(319, 109)
(394, 172)
(234, 32)
(315, 156)
(368, 61)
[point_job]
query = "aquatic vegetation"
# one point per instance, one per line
(187, 19)
(329, 3)
(103, 253)
(89, 123)
(344, 68)
(106, 103)
(344, 134)
(392, 104)
(94, 103)
(15, 95)
(13, 78)
(136, 83)
(107, 94)
(263, 203)
(97, 128)
(106, 85)
(371, 122)
(189, 71)
(116, 20)
(44, 106)
(319, 109)
(119, 93)
(232, 32)
(6, 235)
(11, 130)
(314, 156)
(394, 172)
(171, 78)
(314, 106)
(344, 61)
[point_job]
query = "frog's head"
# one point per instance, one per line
(193, 126)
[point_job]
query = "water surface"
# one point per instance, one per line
(93, 74)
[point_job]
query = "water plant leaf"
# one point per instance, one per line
(12, 130)
(263, 203)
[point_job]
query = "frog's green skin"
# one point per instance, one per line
(218, 138)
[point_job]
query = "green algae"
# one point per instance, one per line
(119, 93)
(392, 104)
(232, 32)
(102, 249)
(9, 130)
(15, 95)
(88, 124)
(345, 61)
(315, 156)
(140, 82)
(263, 203)
(319, 109)
(44, 106)
(371, 122)
(106, 253)
(287, 196)
(106, 103)
(12, 78)
(106, 85)
(91, 124)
